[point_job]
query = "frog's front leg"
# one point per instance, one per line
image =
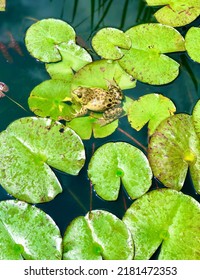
(82, 112)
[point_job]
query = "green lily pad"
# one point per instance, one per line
(116, 162)
(146, 60)
(27, 233)
(176, 13)
(44, 37)
(88, 125)
(172, 149)
(192, 43)
(165, 218)
(27, 148)
(108, 43)
(49, 99)
(102, 73)
(152, 109)
(196, 118)
(73, 58)
(96, 236)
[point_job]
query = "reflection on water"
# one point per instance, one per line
(22, 73)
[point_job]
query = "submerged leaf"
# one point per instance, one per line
(146, 60)
(176, 13)
(27, 233)
(108, 43)
(192, 43)
(152, 109)
(28, 147)
(44, 37)
(116, 162)
(172, 149)
(167, 219)
(96, 236)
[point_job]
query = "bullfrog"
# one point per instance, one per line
(94, 99)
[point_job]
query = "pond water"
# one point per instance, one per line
(22, 73)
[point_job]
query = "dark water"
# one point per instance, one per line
(23, 73)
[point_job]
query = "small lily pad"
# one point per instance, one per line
(52, 98)
(27, 148)
(146, 60)
(103, 72)
(108, 43)
(196, 118)
(44, 37)
(152, 109)
(172, 149)
(176, 13)
(167, 219)
(98, 235)
(192, 43)
(26, 232)
(73, 58)
(116, 162)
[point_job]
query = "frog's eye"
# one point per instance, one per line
(79, 94)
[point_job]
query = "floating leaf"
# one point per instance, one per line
(176, 13)
(27, 147)
(152, 108)
(44, 37)
(49, 99)
(116, 162)
(98, 235)
(146, 60)
(165, 218)
(103, 72)
(73, 58)
(172, 149)
(196, 118)
(27, 233)
(109, 41)
(192, 43)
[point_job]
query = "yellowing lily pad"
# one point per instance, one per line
(44, 37)
(28, 147)
(27, 233)
(108, 43)
(192, 43)
(118, 162)
(99, 235)
(152, 109)
(146, 60)
(173, 148)
(176, 13)
(167, 219)
(73, 58)
(49, 99)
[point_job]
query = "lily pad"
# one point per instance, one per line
(172, 149)
(176, 13)
(26, 232)
(88, 125)
(108, 43)
(196, 118)
(27, 148)
(167, 219)
(152, 109)
(73, 58)
(116, 162)
(44, 37)
(146, 60)
(192, 43)
(102, 73)
(98, 235)
(52, 98)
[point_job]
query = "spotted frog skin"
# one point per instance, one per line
(100, 100)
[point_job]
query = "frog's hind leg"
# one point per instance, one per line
(110, 115)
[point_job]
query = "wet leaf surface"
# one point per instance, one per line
(27, 233)
(172, 149)
(167, 219)
(118, 162)
(192, 43)
(96, 236)
(28, 147)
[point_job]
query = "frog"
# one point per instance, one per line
(106, 101)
